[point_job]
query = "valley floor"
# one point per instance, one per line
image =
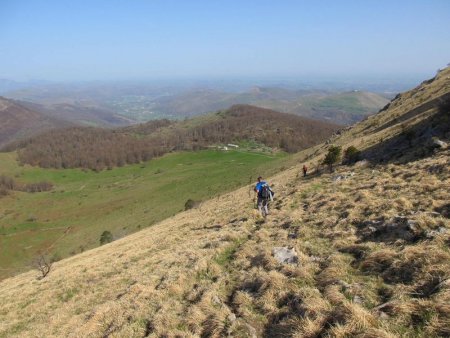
(373, 260)
(71, 217)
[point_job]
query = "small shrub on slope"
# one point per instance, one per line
(333, 156)
(190, 204)
(351, 155)
(106, 237)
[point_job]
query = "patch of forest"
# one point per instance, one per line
(97, 149)
(8, 184)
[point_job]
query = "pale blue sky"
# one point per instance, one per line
(111, 39)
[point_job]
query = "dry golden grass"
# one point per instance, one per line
(210, 272)
(200, 275)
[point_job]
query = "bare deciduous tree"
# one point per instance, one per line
(43, 265)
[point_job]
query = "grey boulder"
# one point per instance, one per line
(285, 255)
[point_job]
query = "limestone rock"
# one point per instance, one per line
(337, 178)
(285, 255)
(357, 299)
(231, 317)
(216, 300)
(362, 164)
(341, 177)
(435, 143)
(430, 234)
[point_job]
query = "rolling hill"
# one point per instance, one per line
(340, 108)
(97, 148)
(116, 104)
(367, 251)
(80, 113)
(348, 107)
(19, 122)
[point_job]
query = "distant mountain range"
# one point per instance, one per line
(121, 104)
(340, 108)
(42, 107)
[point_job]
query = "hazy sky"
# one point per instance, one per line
(145, 39)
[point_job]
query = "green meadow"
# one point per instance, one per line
(70, 218)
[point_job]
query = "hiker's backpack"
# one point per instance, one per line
(264, 193)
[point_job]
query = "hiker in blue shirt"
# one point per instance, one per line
(264, 194)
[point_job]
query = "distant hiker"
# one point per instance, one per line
(305, 170)
(264, 194)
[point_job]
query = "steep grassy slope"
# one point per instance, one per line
(403, 129)
(210, 272)
(427, 104)
(372, 247)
